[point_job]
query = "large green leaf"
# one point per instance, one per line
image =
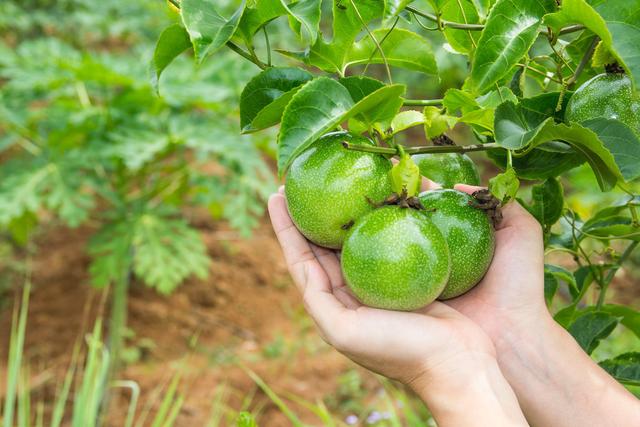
(320, 106)
(463, 11)
(208, 29)
(172, 42)
(402, 48)
(331, 55)
(624, 368)
(514, 130)
(510, 31)
(547, 202)
(616, 22)
(305, 19)
(264, 98)
(392, 8)
(622, 142)
(591, 327)
(380, 118)
(538, 164)
(258, 15)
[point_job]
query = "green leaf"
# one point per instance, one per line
(614, 21)
(621, 141)
(505, 186)
(550, 287)
(306, 18)
(402, 48)
(511, 29)
(436, 122)
(538, 164)
(405, 176)
(514, 130)
(630, 318)
(459, 100)
(172, 42)
(562, 274)
(547, 202)
(463, 11)
(257, 16)
(623, 21)
(406, 120)
(265, 97)
(591, 327)
(360, 87)
(320, 106)
(613, 227)
(624, 368)
(331, 55)
(392, 8)
(208, 30)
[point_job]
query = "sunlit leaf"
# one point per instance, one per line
(207, 28)
(172, 42)
(511, 29)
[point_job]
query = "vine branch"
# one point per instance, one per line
(427, 149)
(422, 102)
(583, 63)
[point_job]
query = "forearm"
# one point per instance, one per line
(557, 383)
(482, 397)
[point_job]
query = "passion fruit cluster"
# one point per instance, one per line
(398, 252)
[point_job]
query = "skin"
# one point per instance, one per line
(447, 169)
(556, 382)
(327, 188)
(456, 356)
(396, 259)
(606, 95)
(469, 235)
(438, 352)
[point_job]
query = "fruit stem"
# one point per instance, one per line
(421, 102)
(583, 63)
(426, 149)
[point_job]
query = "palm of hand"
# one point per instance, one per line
(401, 345)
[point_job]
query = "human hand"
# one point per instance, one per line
(511, 295)
(436, 350)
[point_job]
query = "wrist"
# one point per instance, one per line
(470, 393)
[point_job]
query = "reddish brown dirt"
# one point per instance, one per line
(247, 302)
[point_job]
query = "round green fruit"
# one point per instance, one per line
(469, 235)
(609, 96)
(448, 169)
(396, 258)
(327, 188)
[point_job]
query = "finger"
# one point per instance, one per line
(469, 189)
(295, 247)
(427, 184)
(513, 214)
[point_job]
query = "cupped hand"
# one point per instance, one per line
(511, 294)
(433, 344)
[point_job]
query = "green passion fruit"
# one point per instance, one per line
(395, 258)
(608, 95)
(328, 188)
(469, 235)
(448, 169)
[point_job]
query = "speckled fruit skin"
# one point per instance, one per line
(605, 95)
(396, 259)
(327, 188)
(469, 235)
(448, 169)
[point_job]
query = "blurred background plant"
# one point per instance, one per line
(88, 147)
